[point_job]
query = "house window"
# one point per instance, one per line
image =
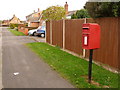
(28, 24)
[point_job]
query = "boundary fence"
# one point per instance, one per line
(67, 34)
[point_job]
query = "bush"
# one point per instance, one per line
(13, 26)
(74, 16)
(26, 24)
(103, 9)
(82, 13)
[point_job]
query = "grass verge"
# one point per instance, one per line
(73, 68)
(17, 33)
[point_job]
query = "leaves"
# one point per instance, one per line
(83, 13)
(74, 16)
(103, 9)
(53, 13)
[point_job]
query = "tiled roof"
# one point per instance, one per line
(33, 19)
(70, 13)
(5, 21)
(30, 17)
(13, 17)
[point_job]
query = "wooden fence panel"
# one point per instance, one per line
(73, 35)
(107, 53)
(90, 20)
(48, 32)
(57, 33)
(118, 43)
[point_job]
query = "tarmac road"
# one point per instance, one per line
(22, 68)
(0, 57)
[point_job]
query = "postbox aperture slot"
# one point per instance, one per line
(85, 28)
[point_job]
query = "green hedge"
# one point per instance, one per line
(13, 26)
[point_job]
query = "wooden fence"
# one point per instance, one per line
(68, 34)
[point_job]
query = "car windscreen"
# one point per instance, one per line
(40, 31)
(43, 28)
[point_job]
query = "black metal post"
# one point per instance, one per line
(90, 66)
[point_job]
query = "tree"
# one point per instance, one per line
(80, 14)
(83, 13)
(74, 16)
(103, 9)
(53, 13)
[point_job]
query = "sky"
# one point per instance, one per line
(22, 8)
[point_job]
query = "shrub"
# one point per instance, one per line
(13, 26)
(103, 9)
(26, 24)
(82, 13)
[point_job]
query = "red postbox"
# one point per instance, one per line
(90, 36)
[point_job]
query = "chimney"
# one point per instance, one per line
(34, 11)
(38, 14)
(13, 15)
(66, 7)
(38, 9)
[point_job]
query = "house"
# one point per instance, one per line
(14, 20)
(69, 13)
(23, 22)
(5, 23)
(34, 19)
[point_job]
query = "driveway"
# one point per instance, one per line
(21, 68)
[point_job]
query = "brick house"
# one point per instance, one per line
(69, 13)
(5, 23)
(14, 20)
(34, 19)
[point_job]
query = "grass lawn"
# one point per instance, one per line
(17, 33)
(73, 68)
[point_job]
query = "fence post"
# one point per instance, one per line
(63, 34)
(84, 51)
(46, 32)
(51, 32)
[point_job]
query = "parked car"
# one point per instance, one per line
(41, 32)
(33, 31)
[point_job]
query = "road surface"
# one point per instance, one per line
(22, 68)
(0, 57)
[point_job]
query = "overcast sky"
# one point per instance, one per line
(22, 8)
